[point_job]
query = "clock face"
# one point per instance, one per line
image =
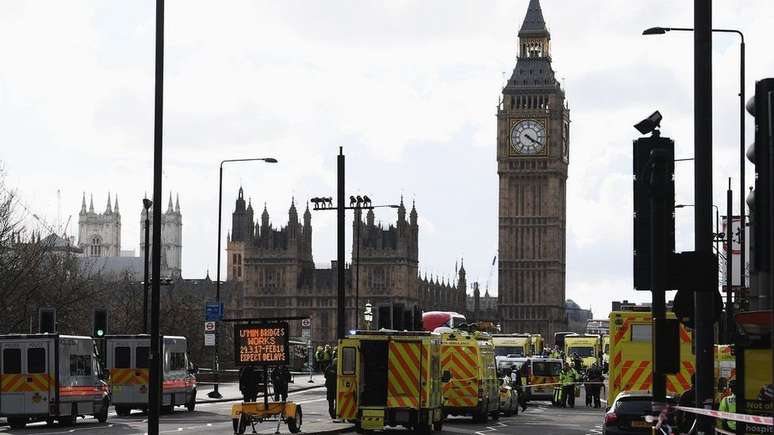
(528, 137)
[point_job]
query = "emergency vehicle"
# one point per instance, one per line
(541, 371)
(128, 363)
(50, 377)
(390, 378)
(631, 355)
(587, 347)
(468, 359)
(605, 352)
(536, 344)
(510, 346)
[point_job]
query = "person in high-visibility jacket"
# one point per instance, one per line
(567, 378)
(728, 404)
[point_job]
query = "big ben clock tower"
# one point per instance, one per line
(533, 144)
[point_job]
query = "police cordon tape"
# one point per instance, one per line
(559, 383)
(755, 419)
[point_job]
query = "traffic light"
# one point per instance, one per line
(761, 106)
(643, 150)
(100, 323)
(47, 320)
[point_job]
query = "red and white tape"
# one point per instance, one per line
(755, 419)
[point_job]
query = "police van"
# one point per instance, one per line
(128, 363)
(50, 377)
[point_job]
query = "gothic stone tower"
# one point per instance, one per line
(171, 238)
(532, 158)
(99, 235)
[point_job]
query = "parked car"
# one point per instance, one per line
(509, 398)
(626, 415)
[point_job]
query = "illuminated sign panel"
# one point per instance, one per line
(261, 344)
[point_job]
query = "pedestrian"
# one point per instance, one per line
(595, 378)
(567, 379)
(330, 388)
(280, 380)
(275, 383)
(248, 383)
(318, 354)
(517, 383)
(728, 404)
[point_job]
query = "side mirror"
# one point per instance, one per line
(446, 377)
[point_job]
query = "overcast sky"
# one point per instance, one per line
(408, 88)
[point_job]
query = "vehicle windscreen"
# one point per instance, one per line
(634, 406)
(544, 368)
(509, 350)
(582, 352)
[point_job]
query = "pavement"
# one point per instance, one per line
(210, 417)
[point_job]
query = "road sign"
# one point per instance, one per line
(261, 343)
(213, 312)
(209, 339)
(209, 326)
(306, 323)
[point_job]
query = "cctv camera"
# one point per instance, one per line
(650, 123)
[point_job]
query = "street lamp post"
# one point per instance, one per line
(368, 315)
(357, 203)
(146, 203)
(215, 393)
(742, 205)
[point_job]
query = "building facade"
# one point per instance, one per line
(99, 237)
(273, 272)
(532, 159)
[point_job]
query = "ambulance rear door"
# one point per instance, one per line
(27, 376)
(128, 363)
(347, 379)
(404, 382)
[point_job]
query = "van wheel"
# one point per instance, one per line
(191, 403)
(423, 428)
(294, 423)
(438, 426)
(123, 411)
(167, 409)
(103, 416)
(17, 422)
(481, 415)
(495, 415)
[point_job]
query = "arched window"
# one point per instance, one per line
(95, 250)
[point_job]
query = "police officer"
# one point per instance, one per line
(728, 404)
(318, 355)
(248, 383)
(330, 388)
(516, 381)
(567, 379)
(595, 379)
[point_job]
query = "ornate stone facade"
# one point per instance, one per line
(532, 159)
(274, 274)
(171, 238)
(99, 234)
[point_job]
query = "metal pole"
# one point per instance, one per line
(742, 161)
(357, 269)
(729, 264)
(340, 299)
(215, 393)
(154, 395)
(703, 301)
(145, 282)
(659, 214)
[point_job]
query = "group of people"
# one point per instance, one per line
(250, 377)
(514, 374)
(571, 375)
(323, 356)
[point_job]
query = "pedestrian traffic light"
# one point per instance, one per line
(47, 320)
(761, 106)
(100, 323)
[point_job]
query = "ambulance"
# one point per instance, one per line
(543, 373)
(128, 364)
(390, 378)
(509, 346)
(536, 344)
(631, 358)
(50, 377)
(468, 361)
(587, 347)
(605, 352)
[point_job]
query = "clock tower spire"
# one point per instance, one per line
(532, 160)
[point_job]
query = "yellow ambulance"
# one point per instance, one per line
(536, 344)
(587, 347)
(468, 361)
(390, 378)
(631, 355)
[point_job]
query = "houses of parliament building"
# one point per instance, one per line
(273, 274)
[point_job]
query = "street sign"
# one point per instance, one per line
(306, 323)
(261, 343)
(213, 312)
(209, 339)
(209, 326)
